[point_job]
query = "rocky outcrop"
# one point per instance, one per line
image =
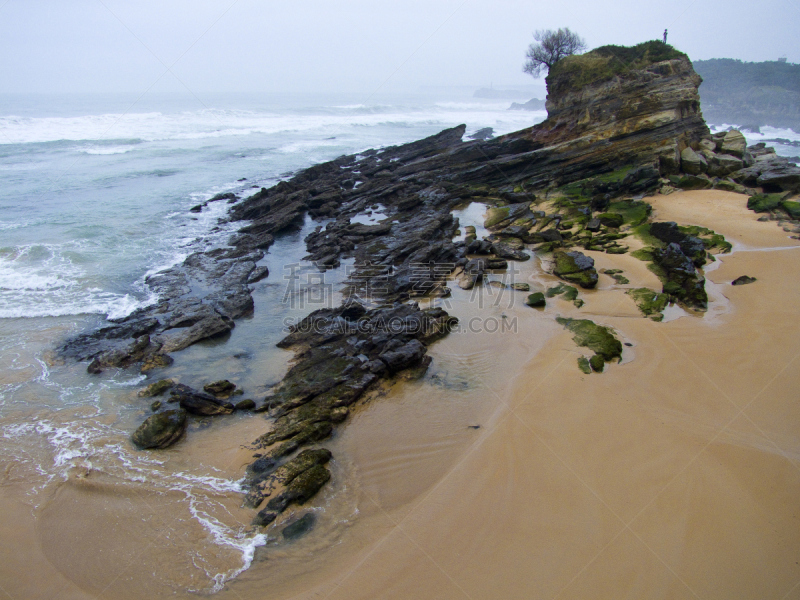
(199, 403)
(597, 338)
(342, 353)
(532, 104)
(575, 267)
(647, 106)
(161, 429)
(613, 130)
(681, 279)
(767, 170)
(602, 120)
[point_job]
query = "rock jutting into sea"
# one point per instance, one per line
(615, 133)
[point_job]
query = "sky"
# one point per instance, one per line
(364, 46)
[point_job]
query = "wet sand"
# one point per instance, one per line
(675, 474)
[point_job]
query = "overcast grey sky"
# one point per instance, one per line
(354, 46)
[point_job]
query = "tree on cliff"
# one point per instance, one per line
(552, 46)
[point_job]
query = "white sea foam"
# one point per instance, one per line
(216, 123)
(42, 281)
(9, 226)
(767, 134)
(106, 149)
(91, 445)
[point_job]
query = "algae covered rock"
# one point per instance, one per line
(496, 215)
(161, 429)
(265, 478)
(597, 338)
(651, 303)
(575, 267)
(764, 202)
(597, 363)
(536, 300)
(792, 208)
(692, 246)
(692, 182)
(611, 219)
(680, 277)
(156, 389)
(301, 489)
(583, 365)
(567, 292)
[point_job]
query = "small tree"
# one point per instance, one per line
(552, 47)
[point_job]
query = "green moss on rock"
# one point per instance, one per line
(610, 219)
(583, 365)
(649, 302)
(597, 338)
(791, 208)
(634, 212)
(536, 300)
(161, 429)
(764, 202)
(575, 267)
(496, 215)
(157, 388)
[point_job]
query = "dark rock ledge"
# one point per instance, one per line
(567, 182)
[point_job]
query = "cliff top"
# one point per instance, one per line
(603, 63)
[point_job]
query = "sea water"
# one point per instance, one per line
(96, 195)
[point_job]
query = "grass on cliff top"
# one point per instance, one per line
(607, 61)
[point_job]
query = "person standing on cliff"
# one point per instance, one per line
(665, 36)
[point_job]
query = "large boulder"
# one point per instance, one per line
(772, 172)
(693, 247)
(692, 162)
(723, 164)
(575, 267)
(161, 429)
(734, 143)
(503, 250)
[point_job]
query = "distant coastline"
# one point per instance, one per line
(750, 94)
